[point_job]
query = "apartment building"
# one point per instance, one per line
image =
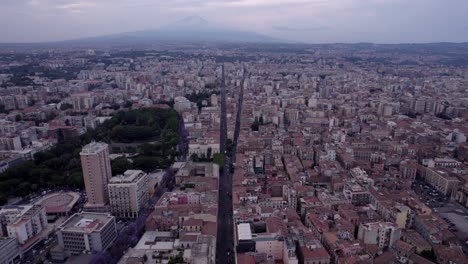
(383, 234)
(181, 104)
(441, 180)
(28, 222)
(128, 193)
(96, 167)
(87, 232)
(10, 143)
(203, 147)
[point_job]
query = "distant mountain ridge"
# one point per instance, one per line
(192, 28)
(196, 28)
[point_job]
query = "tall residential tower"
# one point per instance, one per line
(96, 173)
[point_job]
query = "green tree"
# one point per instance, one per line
(130, 149)
(218, 159)
(128, 104)
(429, 254)
(194, 157)
(229, 145)
(176, 260)
(76, 179)
(65, 106)
(255, 125)
(3, 198)
(147, 163)
(120, 165)
(116, 149)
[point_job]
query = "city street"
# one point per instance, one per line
(224, 241)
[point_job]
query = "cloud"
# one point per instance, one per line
(259, 3)
(302, 20)
(77, 7)
(34, 2)
(299, 29)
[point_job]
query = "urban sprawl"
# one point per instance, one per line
(234, 153)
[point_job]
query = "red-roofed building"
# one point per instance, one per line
(313, 255)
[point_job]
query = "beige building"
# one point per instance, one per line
(87, 232)
(128, 193)
(181, 104)
(201, 147)
(442, 180)
(383, 234)
(10, 143)
(96, 167)
(82, 101)
(24, 222)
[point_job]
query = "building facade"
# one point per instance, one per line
(87, 232)
(128, 193)
(383, 234)
(96, 167)
(27, 224)
(442, 181)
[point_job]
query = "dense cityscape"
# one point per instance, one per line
(205, 152)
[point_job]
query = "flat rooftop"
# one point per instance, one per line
(244, 232)
(61, 202)
(93, 148)
(128, 176)
(149, 242)
(86, 222)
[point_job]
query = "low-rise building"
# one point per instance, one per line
(181, 104)
(10, 143)
(383, 234)
(25, 223)
(356, 193)
(87, 232)
(203, 147)
(441, 180)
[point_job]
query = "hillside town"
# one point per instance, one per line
(236, 153)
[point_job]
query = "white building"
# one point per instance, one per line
(383, 234)
(181, 104)
(201, 147)
(82, 101)
(87, 232)
(10, 143)
(270, 244)
(128, 193)
(214, 100)
(26, 223)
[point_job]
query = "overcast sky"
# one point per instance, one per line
(314, 21)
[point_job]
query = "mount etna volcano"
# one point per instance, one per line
(192, 28)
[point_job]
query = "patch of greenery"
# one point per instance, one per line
(61, 166)
(57, 167)
(255, 125)
(21, 73)
(198, 98)
(139, 125)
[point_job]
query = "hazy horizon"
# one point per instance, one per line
(307, 21)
